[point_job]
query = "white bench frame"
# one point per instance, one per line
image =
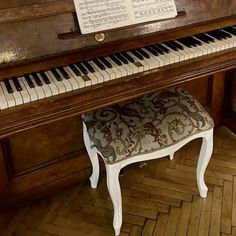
(113, 170)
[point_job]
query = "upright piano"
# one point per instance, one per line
(50, 74)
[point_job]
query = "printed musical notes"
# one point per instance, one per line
(149, 10)
(99, 15)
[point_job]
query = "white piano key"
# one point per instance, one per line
(31, 91)
(169, 58)
(73, 81)
(16, 94)
(153, 59)
(146, 65)
(134, 67)
(115, 68)
(110, 71)
(163, 60)
(85, 78)
(59, 84)
(128, 69)
(120, 68)
(79, 79)
(173, 57)
(104, 75)
(3, 99)
(188, 52)
(65, 81)
(52, 85)
(24, 93)
(45, 87)
(92, 76)
(216, 46)
(97, 73)
(153, 63)
(9, 97)
(206, 49)
(38, 89)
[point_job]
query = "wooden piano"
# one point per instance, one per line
(47, 80)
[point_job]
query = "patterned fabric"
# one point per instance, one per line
(146, 124)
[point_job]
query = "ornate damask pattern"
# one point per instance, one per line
(146, 124)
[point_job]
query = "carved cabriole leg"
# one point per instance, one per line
(113, 186)
(204, 157)
(92, 153)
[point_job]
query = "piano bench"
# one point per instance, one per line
(147, 128)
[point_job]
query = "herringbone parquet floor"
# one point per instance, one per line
(160, 199)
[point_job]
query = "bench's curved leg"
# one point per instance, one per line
(204, 157)
(93, 156)
(113, 186)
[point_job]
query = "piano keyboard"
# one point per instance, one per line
(39, 85)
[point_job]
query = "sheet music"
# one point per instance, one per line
(149, 10)
(99, 15)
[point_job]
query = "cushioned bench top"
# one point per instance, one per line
(146, 124)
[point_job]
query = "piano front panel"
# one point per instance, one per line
(38, 158)
(46, 144)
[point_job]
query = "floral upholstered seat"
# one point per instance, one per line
(146, 124)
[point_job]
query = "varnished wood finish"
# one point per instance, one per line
(53, 155)
(160, 199)
(41, 145)
(26, 40)
(229, 116)
(59, 107)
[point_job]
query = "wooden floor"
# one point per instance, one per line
(160, 199)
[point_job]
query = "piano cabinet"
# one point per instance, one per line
(41, 147)
(42, 160)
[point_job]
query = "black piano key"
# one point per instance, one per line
(152, 51)
(75, 70)
(44, 77)
(163, 48)
(29, 81)
(230, 30)
(157, 49)
(179, 46)
(8, 86)
(121, 58)
(215, 34)
(88, 66)
(171, 45)
(82, 68)
(37, 79)
(186, 42)
(205, 38)
(64, 72)
(128, 57)
(55, 73)
(116, 60)
(17, 84)
(226, 34)
(223, 34)
(105, 62)
(196, 41)
(137, 54)
(143, 53)
(99, 64)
